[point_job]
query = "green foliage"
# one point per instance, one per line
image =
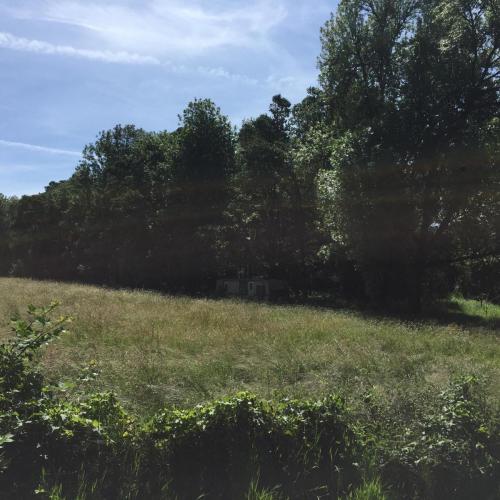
(263, 215)
(412, 90)
(21, 386)
(199, 192)
(306, 447)
(6, 217)
(370, 490)
(381, 185)
(206, 146)
(38, 431)
(454, 452)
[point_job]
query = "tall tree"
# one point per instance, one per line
(261, 211)
(202, 166)
(115, 166)
(413, 89)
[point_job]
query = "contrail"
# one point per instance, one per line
(9, 41)
(41, 149)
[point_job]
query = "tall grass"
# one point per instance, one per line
(407, 430)
(155, 350)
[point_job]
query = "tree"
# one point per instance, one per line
(6, 209)
(262, 236)
(202, 166)
(311, 151)
(412, 89)
(142, 209)
(113, 179)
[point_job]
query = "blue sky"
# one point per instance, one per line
(71, 68)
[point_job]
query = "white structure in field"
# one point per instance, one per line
(257, 288)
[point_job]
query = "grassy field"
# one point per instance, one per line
(155, 350)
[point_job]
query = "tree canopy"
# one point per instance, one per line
(383, 184)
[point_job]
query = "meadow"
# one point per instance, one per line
(154, 350)
(154, 396)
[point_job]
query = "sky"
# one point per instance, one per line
(71, 68)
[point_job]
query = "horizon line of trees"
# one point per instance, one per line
(382, 185)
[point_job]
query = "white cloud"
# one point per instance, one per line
(9, 41)
(174, 27)
(40, 149)
(292, 87)
(176, 34)
(227, 75)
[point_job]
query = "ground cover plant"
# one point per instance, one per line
(376, 431)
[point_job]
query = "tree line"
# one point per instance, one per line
(382, 185)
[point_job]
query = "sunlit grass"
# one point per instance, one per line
(476, 308)
(155, 350)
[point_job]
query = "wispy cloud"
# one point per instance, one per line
(177, 27)
(39, 149)
(216, 72)
(9, 41)
(176, 34)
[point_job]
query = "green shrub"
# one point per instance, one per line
(454, 453)
(21, 386)
(41, 434)
(219, 448)
(23, 397)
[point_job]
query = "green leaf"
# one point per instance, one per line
(6, 438)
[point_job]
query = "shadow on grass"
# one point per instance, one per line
(466, 313)
(442, 312)
(450, 311)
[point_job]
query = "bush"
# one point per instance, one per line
(454, 453)
(41, 434)
(219, 448)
